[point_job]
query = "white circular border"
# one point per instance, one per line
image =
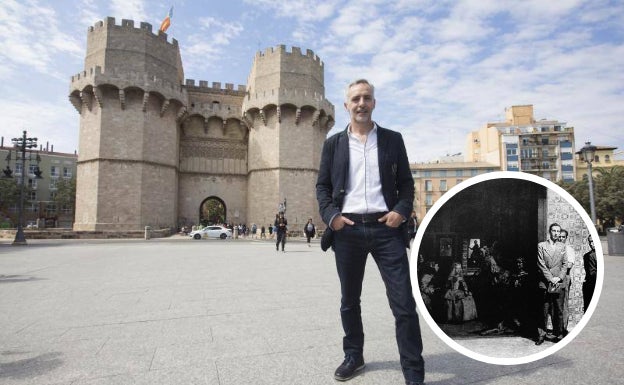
(588, 223)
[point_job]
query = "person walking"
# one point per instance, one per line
(281, 230)
(309, 230)
(365, 193)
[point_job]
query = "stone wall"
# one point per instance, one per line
(561, 212)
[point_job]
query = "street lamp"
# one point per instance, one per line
(588, 154)
(21, 144)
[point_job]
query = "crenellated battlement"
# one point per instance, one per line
(281, 50)
(128, 25)
(96, 76)
(216, 86)
(287, 93)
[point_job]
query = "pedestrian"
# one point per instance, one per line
(309, 230)
(365, 192)
(281, 231)
(263, 232)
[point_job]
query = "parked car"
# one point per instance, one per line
(211, 232)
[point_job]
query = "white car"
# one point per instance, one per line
(211, 232)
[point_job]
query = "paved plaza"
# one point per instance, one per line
(234, 312)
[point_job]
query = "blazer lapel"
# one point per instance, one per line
(382, 150)
(342, 152)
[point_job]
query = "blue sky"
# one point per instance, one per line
(441, 68)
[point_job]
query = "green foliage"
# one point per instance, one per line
(9, 193)
(212, 212)
(608, 192)
(66, 193)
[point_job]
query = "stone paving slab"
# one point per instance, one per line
(178, 311)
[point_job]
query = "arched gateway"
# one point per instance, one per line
(212, 211)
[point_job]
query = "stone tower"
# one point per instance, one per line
(159, 150)
(129, 97)
(288, 119)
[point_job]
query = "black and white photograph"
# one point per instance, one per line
(519, 274)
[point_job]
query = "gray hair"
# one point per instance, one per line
(358, 81)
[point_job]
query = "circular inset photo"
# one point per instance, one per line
(509, 268)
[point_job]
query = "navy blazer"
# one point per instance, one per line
(397, 183)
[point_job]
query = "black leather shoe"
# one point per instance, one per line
(349, 368)
(414, 383)
(539, 341)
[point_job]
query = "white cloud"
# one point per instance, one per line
(55, 122)
(130, 9)
(208, 46)
(31, 37)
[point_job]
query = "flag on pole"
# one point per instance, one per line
(167, 21)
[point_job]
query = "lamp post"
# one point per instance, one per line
(588, 154)
(21, 144)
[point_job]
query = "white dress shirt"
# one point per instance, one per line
(363, 193)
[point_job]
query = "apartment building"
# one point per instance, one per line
(39, 206)
(434, 179)
(520, 143)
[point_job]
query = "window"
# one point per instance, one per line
(18, 169)
(459, 172)
(32, 196)
(427, 173)
(54, 171)
(607, 159)
(474, 172)
(443, 173)
(32, 184)
(52, 195)
(443, 185)
(32, 168)
(67, 172)
(428, 185)
(53, 182)
(596, 158)
(458, 181)
(512, 151)
(428, 200)
(544, 140)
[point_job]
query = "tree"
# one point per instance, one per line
(9, 193)
(608, 192)
(65, 194)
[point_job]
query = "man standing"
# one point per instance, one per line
(551, 271)
(365, 192)
(589, 263)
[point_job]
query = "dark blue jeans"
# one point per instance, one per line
(352, 244)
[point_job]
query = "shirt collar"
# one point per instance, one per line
(374, 130)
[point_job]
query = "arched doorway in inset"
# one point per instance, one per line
(212, 211)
